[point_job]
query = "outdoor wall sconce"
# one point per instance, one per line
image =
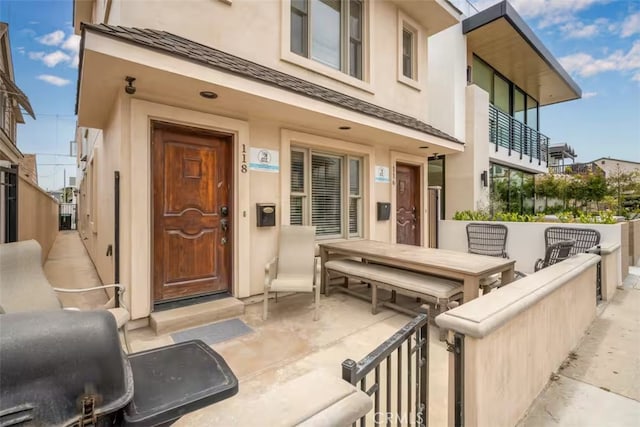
(484, 179)
(130, 88)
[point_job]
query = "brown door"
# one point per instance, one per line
(191, 212)
(408, 204)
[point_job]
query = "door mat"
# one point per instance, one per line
(214, 333)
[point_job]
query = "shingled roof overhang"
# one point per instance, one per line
(500, 37)
(172, 44)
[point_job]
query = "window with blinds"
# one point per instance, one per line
(326, 191)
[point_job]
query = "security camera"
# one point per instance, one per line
(130, 88)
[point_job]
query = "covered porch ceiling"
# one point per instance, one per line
(167, 79)
(501, 38)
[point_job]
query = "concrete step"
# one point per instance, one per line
(163, 322)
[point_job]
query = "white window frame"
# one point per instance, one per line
(365, 83)
(345, 192)
(418, 51)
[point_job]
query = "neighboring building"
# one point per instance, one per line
(11, 99)
(613, 167)
(201, 110)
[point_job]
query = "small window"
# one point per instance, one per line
(326, 191)
(408, 55)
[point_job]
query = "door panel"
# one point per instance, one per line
(192, 240)
(407, 204)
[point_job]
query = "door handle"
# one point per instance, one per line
(224, 225)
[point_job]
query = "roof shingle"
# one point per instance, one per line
(188, 49)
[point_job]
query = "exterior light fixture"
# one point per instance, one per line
(208, 94)
(484, 178)
(130, 88)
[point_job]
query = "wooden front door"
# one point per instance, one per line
(191, 212)
(408, 204)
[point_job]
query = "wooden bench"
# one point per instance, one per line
(441, 292)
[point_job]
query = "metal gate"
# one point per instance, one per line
(398, 371)
(9, 203)
(68, 217)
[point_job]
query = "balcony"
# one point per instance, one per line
(576, 169)
(519, 139)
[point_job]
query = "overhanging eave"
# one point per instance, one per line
(501, 38)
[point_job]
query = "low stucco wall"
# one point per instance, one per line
(634, 242)
(37, 215)
(624, 249)
(516, 336)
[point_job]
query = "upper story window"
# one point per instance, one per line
(326, 191)
(504, 95)
(408, 53)
(330, 32)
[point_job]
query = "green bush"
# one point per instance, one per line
(604, 217)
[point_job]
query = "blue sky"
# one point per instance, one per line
(598, 42)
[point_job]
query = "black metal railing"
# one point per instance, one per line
(505, 131)
(577, 169)
(399, 370)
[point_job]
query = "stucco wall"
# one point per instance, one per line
(516, 336)
(96, 201)
(37, 215)
(124, 145)
(265, 23)
(634, 242)
(624, 249)
(463, 188)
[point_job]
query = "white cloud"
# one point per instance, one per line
(72, 45)
(54, 80)
(548, 12)
(585, 65)
(579, 30)
(631, 25)
(588, 95)
(52, 39)
(20, 50)
(36, 55)
(54, 58)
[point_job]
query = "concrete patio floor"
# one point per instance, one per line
(287, 345)
(598, 385)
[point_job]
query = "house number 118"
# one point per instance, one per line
(243, 164)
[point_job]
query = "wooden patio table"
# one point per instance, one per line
(469, 268)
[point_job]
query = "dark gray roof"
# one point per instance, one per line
(175, 45)
(506, 11)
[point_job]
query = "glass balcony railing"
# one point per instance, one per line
(518, 138)
(465, 6)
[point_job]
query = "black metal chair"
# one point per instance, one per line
(487, 239)
(584, 238)
(555, 253)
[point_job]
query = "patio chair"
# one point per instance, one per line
(293, 270)
(489, 240)
(24, 286)
(584, 238)
(555, 253)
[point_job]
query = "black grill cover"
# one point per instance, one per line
(50, 360)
